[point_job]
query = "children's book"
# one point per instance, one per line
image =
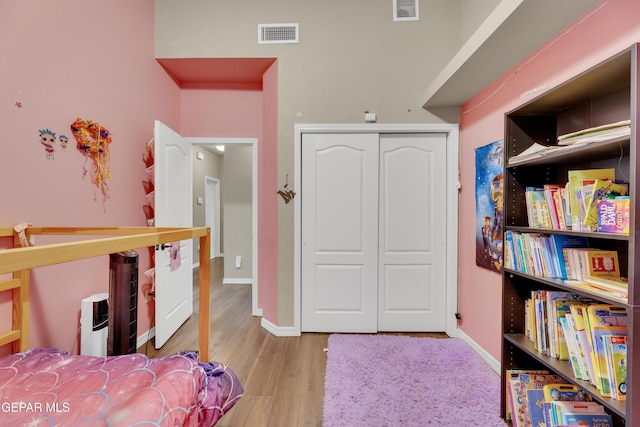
(535, 399)
(559, 408)
(603, 319)
(602, 263)
(618, 286)
(601, 190)
(561, 242)
(531, 382)
(560, 307)
(600, 420)
(576, 178)
(579, 314)
(618, 353)
(572, 345)
(614, 214)
(513, 374)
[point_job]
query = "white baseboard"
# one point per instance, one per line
(484, 355)
(146, 336)
(279, 331)
(228, 281)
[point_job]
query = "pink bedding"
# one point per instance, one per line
(46, 387)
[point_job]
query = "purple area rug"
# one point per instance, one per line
(388, 380)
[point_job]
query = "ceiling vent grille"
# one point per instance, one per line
(277, 33)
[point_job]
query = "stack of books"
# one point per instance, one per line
(537, 398)
(591, 335)
(606, 132)
(590, 200)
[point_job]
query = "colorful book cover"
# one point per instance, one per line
(535, 399)
(531, 382)
(576, 177)
(561, 242)
(559, 308)
(603, 375)
(600, 420)
(578, 314)
(614, 214)
(601, 190)
(572, 345)
(604, 319)
(511, 375)
(618, 351)
(601, 263)
(532, 196)
(559, 408)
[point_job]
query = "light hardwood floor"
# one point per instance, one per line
(283, 377)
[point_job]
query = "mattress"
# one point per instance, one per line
(50, 387)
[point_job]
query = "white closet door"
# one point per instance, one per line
(339, 196)
(412, 246)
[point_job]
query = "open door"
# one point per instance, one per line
(173, 263)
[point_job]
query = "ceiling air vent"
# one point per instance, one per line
(277, 33)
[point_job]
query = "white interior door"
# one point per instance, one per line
(173, 263)
(412, 236)
(339, 232)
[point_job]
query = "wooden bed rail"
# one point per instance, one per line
(19, 261)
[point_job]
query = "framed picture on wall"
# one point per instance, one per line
(489, 203)
(405, 10)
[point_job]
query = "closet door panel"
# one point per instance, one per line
(412, 257)
(339, 197)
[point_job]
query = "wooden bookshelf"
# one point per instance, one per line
(606, 93)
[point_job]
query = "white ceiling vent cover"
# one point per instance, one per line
(277, 33)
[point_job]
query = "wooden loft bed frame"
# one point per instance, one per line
(20, 260)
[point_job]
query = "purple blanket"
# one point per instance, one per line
(52, 387)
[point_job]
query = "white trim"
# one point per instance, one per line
(452, 197)
(145, 337)
(255, 310)
(488, 359)
(279, 331)
(234, 281)
(215, 182)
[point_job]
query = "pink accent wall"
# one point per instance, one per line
(611, 26)
(62, 60)
(245, 110)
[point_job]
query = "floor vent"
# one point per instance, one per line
(277, 33)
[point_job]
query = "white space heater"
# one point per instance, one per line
(94, 319)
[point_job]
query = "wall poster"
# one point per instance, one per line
(489, 201)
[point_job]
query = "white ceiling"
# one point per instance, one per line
(514, 30)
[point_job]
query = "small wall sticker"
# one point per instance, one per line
(47, 139)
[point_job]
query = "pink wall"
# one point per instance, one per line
(611, 26)
(245, 110)
(62, 60)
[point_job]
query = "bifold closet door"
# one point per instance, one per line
(373, 232)
(412, 235)
(339, 193)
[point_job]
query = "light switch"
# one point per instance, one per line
(199, 200)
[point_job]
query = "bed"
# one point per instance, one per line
(51, 387)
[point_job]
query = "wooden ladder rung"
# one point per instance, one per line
(9, 337)
(7, 285)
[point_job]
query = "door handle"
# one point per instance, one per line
(163, 246)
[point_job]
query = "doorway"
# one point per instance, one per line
(253, 144)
